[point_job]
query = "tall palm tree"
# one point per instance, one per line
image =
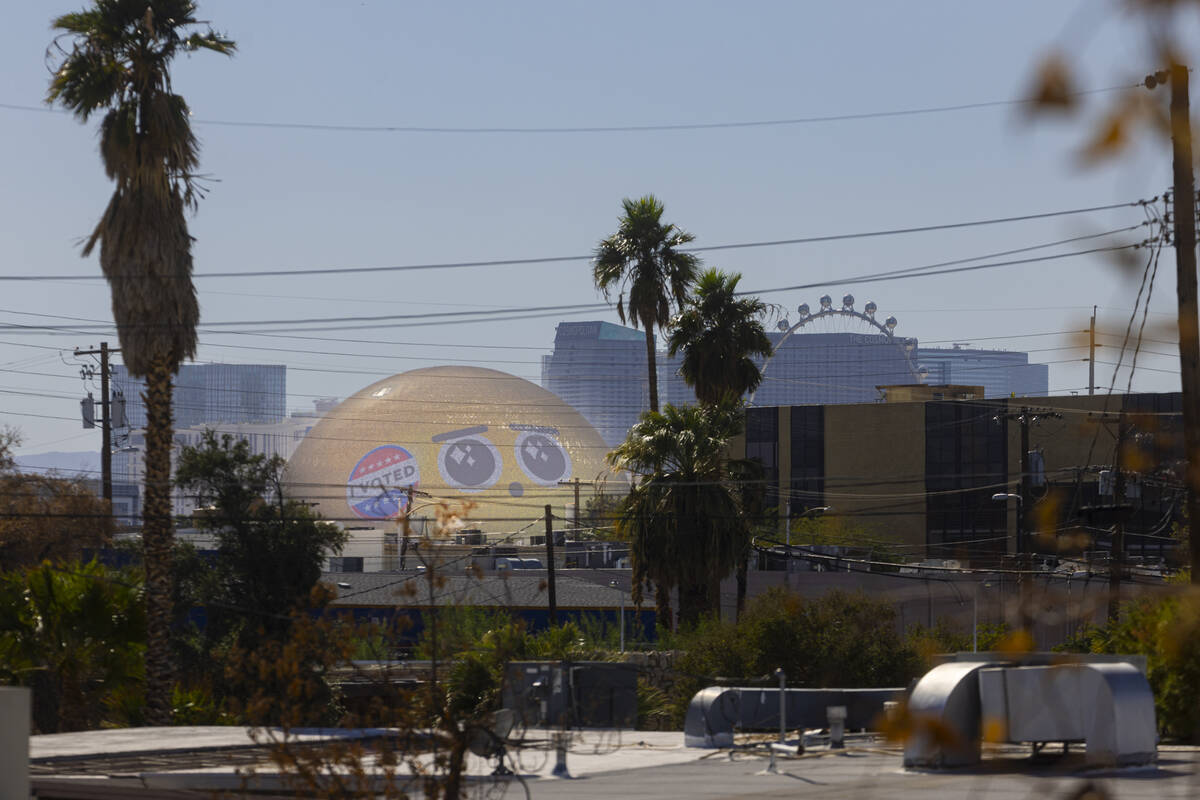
(719, 333)
(116, 57)
(683, 519)
(643, 264)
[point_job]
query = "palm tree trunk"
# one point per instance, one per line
(695, 597)
(651, 363)
(662, 606)
(157, 537)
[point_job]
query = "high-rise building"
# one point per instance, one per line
(246, 400)
(264, 438)
(1001, 373)
(206, 393)
(600, 369)
(829, 368)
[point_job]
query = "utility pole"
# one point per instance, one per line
(1092, 355)
(1116, 565)
(577, 508)
(1023, 528)
(575, 483)
(105, 422)
(1185, 278)
(1026, 416)
(1118, 509)
(407, 525)
(1023, 512)
(550, 567)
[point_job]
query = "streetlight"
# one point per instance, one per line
(621, 594)
(1004, 497)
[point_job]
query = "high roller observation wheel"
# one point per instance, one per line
(847, 310)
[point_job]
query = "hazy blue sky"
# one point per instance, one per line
(309, 198)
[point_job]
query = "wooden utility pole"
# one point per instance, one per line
(550, 567)
(406, 522)
(1023, 527)
(1184, 197)
(1092, 355)
(1026, 416)
(106, 423)
(1116, 559)
(577, 508)
(1023, 509)
(575, 482)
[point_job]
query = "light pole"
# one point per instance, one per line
(1024, 580)
(1004, 497)
(621, 594)
(975, 616)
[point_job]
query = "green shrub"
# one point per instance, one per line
(1167, 632)
(75, 634)
(841, 639)
(928, 643)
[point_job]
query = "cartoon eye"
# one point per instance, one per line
(542, 458)
(467, 460)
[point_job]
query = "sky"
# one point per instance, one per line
(307, 198)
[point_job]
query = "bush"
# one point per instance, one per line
(928, 643)
(75, 634)
(844, 640)
(1167, 632)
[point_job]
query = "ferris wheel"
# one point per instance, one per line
(847, 319)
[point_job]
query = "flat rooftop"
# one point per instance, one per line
(197, 761)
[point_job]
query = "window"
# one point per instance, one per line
(762, 445)
(965, 464)
(808, 458)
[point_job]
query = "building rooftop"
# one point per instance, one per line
(921, 392)
(167, 762)
(516, 589)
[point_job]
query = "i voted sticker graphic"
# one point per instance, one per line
(376, 486)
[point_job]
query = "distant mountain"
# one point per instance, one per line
(67, 463)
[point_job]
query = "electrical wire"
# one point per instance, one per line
(590, 257)
(594, 129)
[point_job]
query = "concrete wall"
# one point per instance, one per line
(1060, 606)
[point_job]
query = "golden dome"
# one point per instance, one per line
(454, 433)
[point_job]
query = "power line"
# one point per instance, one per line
(593, 129)
(589, 257)
(525, 312)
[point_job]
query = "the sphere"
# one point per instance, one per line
(826, 301)
(803, 310)
(454, 434)
(848, 301)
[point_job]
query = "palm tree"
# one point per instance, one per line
(642, 260)
(683, 519)
(719, 333)
(118, 61)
